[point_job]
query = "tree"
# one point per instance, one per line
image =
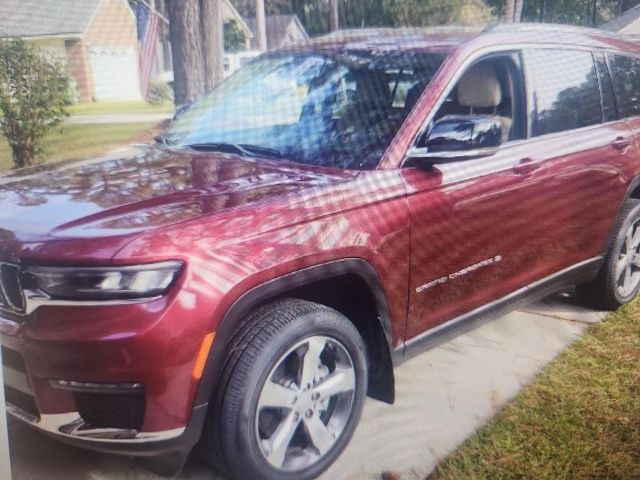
(408, 13)
(196, 31)
(261, 27)
(186, 49)
(574, 12)
(234, 37)
(334, 19)
(211, 25)
(513, 10)
(34, 96)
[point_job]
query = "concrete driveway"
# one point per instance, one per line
(442, 397)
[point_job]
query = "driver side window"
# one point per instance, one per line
(491, 87)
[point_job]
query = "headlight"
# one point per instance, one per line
(103, 283)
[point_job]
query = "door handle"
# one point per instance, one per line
(621, 143)
(525, 166)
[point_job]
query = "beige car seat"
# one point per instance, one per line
(479, 88)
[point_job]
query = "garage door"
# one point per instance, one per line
(115, 73)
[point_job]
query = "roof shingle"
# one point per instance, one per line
(43, 18)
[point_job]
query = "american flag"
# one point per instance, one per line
(148, 23)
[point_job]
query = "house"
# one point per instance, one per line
(281, 30)
(97, 39)
(627, 23)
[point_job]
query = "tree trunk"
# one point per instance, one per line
(334, 19)
(509, 10)
(261, 27)
(186, 49)
(212, 42)
(164, 30)
(23, 154)
(517, 10)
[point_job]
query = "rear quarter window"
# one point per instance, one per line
(566, 94)
(626, 80)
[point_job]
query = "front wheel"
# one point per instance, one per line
(291, 394)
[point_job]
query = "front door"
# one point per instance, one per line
(474, 236)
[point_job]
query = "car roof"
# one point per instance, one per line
(452, 37)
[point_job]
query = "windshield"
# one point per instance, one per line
(337, 110)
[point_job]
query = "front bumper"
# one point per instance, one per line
(51, 356)
(70, 427)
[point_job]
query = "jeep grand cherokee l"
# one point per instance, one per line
(326, 211)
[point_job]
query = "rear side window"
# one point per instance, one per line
(566, 92)
(606, 88)
(626, 79)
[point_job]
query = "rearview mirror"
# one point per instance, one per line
(461, 137)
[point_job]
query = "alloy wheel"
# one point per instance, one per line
(305, 403)
(627, 270)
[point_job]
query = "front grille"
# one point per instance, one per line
(11, 297)
(111, 410)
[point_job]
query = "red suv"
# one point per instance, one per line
(322, 214)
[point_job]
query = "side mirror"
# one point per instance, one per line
(461, 137)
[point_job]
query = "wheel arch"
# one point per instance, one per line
(632, 192)
(328, 284)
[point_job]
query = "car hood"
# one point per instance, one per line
(132, 195)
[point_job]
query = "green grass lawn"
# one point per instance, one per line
(84, 141)
(579, 419)
(105, 108)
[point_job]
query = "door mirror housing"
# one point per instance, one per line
(460, 137)
(456, 133)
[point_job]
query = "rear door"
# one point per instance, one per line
(575, 132)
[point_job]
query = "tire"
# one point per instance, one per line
(269, 357)
(611, 289)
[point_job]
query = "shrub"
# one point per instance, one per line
(159, 93)
(234, 38)
(33, 98)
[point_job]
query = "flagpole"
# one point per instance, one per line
(152, 8)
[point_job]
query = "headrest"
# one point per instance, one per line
(479, 87)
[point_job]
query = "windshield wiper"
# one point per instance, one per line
(242, 149)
